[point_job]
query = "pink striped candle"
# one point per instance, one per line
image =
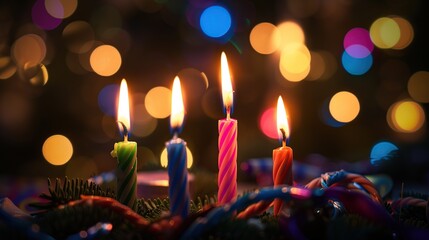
(282, 156)
(227, 158)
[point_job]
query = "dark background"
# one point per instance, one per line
(162, 43)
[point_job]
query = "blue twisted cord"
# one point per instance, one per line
(220, 213)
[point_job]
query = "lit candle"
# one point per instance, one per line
(282, 156)
(227, 159)
(177, 160)
(126, 152)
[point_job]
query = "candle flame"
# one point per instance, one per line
(124, 109)
(282, 124)
(177, 108)
(226, 83)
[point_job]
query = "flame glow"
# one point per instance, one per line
(177, 108)
(226, 82)
(124, 107)
(282, 119)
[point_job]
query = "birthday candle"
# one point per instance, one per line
(227, 142)
(282, 156)
(177, 160)
(126, 152)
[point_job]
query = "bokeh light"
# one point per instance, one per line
(81, 167)
(85, 57)
(42, 18)
(323, 65)
(215, 21)
(57, 150)
(295, 62)
(7, 68)
(296, 58)
(293, 77)
(265, 38)
(407, 33)
(164, 158)
(418, 86)
(357, 51)
(28, 49)
(317, 66)
(158, 102)
(78, 36)
(105, 60)
(143, 123)
(267, 123)
(406, 116)
(326, 116)
(290, 33)
(357, 43)
(36, 75)
(61, 8)
(356, 66)
(382, 151)
(117, 37)
(54, 8)
(107, 99)
(385, 32)
(344, 106)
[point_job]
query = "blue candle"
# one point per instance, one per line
(177, 160)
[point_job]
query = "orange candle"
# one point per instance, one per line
(282, 156)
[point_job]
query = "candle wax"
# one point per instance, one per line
(227, 160)
(126, 173)
(282, 171)
(178, 177)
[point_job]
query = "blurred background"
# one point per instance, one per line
(354, 76)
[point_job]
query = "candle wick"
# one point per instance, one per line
(228, 113)
(125, 129)
(283, 137)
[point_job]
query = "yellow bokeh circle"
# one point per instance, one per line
(105, 60)
(406, 116)
(158, 102)
(265, 38)
(385, 32)
(290, 32)
(57, 149)
(344, 106)
(295, 62)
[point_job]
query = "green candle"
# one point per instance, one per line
(126, 173)
(126, 153)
